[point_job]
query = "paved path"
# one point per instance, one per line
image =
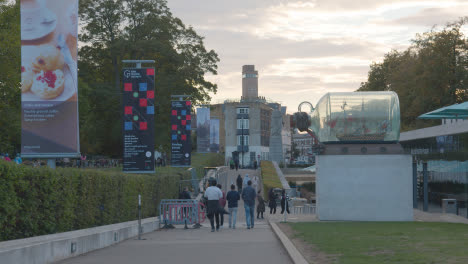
(257, 245)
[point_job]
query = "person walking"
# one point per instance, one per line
(185, 194)
(236, 163)
(246, 180)
(255, 184)
(284, 197)
(239, 183)
(222, 204)
(248, 195)
(272, 201)
(232, 198)
(213, 194)
(260, 206)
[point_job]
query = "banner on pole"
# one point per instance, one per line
(181, 120)
(138, 124)
(203, 130)
(49, 86)
(214, 135)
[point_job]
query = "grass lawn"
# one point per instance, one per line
(387, 242)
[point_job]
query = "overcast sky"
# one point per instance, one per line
(304, 49)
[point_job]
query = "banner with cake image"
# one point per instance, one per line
(49, 86)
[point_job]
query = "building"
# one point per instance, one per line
(443, 150)
(247, 128)
(249, 82)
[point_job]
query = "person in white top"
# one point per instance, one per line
(213, 194)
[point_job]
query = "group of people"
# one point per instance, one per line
(249, 191)
(6, 157)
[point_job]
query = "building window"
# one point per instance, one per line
(249, 75)
(242, 123)
(242, 110)
(246, 140)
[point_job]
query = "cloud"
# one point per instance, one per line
(303, 49)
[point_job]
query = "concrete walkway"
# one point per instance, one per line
(257, 245)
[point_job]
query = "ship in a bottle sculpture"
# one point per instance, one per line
(353, 118)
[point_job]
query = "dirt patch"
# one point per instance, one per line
(310, 252)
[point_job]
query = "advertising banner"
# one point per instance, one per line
(203, 130)
(214, 135)
(138, 125)
(181, 120)
(49, 86)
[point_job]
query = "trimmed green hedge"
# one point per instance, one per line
(269, 177)
(40, 201)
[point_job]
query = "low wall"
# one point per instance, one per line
(364, 187)
(52, 248)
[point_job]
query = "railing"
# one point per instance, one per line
(181, 212)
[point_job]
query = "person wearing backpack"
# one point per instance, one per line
(232, 198)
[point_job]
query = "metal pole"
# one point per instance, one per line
(425, 188)
(242, 139)
(415, 185)
(139, 217)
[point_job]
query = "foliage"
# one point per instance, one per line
(386, 242)
(309, 186)
(10, 93)
(430, 74)
(39, 201)
(111, 31)
(270, 177)
(114, 30)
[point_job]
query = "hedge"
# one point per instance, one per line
(269, 177)
(40, 201)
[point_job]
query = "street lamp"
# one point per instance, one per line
(242, 139)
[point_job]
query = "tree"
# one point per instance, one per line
(114, 30)
(430, 74)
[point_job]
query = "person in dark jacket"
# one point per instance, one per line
(272, 201)
(283, 202)
(260, 206)
(232, 198)
(249, 195)
(239, 183)
(185, 194)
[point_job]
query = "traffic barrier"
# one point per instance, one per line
(180, 212)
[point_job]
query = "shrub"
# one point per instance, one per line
(40, 201)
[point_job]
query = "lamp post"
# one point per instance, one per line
(242, 139)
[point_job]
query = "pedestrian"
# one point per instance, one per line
(246, 180)
(249, 195)
(272, 201)
(232, 198)
(255, 164)
(284, 203)
(255, 183)
(18, 159)
(7, 158)
(231, 164)
(185, 194)
(239, 183)
(222, 204)
(237, 164)
(213, 194)
(260, 206)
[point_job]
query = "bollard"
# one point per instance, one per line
(139, 217)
